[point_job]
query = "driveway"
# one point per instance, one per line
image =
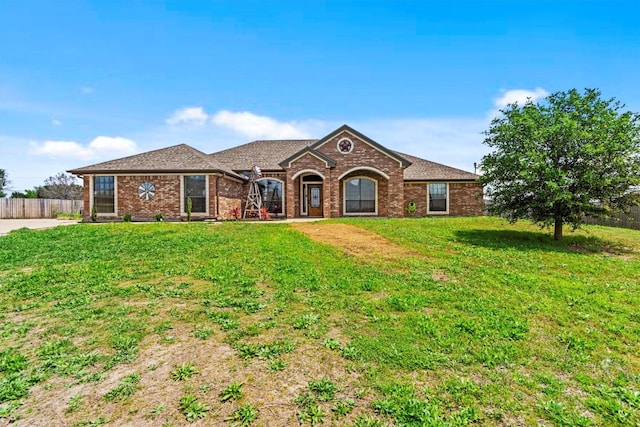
(6, 225)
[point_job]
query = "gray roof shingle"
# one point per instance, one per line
(265, 154)
(425, 170)
(178, 158)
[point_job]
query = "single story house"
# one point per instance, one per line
(343, 174)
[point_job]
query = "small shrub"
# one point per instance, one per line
(159, 217)
(191, 408)
(232, 392)
(94, 213)
(127, 217)
(236, 213)
(188, 208)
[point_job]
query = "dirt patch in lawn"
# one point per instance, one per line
(356, 241)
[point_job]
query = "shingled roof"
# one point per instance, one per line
(178, 158)
(425, 170)
(265, 154)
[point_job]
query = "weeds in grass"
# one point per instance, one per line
(202, 332)
(183, 372)
(305, 321)
(265, 351)
(312, 414)
(277, 365)
(74, 403)
(344, 407)
(367, 421)
(324, 389)
(12, 361)
(243, 416)
(191, 408)
(125, 389)
(101, 420)
(231, 392)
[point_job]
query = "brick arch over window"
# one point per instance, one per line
(364, 168)
(364, 192)
(307, 172)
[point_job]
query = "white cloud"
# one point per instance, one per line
(61, 149)
(255, 126)
(101, 146)
(520, 96)
(87, 90)
(189, 116)
(453, 141)
(56, 122)
(112, 144)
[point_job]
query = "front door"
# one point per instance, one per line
(314, 199)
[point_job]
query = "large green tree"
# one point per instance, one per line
(555, 161)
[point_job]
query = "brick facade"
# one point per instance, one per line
(465, 199)
(400, 179)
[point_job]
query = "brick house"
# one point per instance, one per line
(340, 175)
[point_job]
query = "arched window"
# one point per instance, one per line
(272, 192)
(360, 196)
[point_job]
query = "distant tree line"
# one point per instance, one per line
(61, 186)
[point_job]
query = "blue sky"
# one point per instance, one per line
(88, 81)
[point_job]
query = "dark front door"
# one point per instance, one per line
(314, 199)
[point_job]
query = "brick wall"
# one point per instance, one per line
(416, 193)
(292, 186)
(165, 201)
(230, 195)
(465, 199)
(390, 192)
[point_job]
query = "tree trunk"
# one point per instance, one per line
(557, 230)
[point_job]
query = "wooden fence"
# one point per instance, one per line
(632, 220)
(37, 208)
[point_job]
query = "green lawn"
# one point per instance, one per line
(238, 324)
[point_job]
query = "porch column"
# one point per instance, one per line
(289, 192)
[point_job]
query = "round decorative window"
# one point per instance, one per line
(146, 191)
(345, 145)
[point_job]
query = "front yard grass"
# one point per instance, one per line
(485, 324)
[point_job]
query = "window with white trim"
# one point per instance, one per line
(438, 197)
(104, 194)
(360, 196)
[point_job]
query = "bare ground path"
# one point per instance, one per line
(355, 241)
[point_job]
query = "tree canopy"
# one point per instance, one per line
(61, 186)
(4, 182)
(553, 162)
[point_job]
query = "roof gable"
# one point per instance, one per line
(384, 150)
(178, 158)
(286, 163)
